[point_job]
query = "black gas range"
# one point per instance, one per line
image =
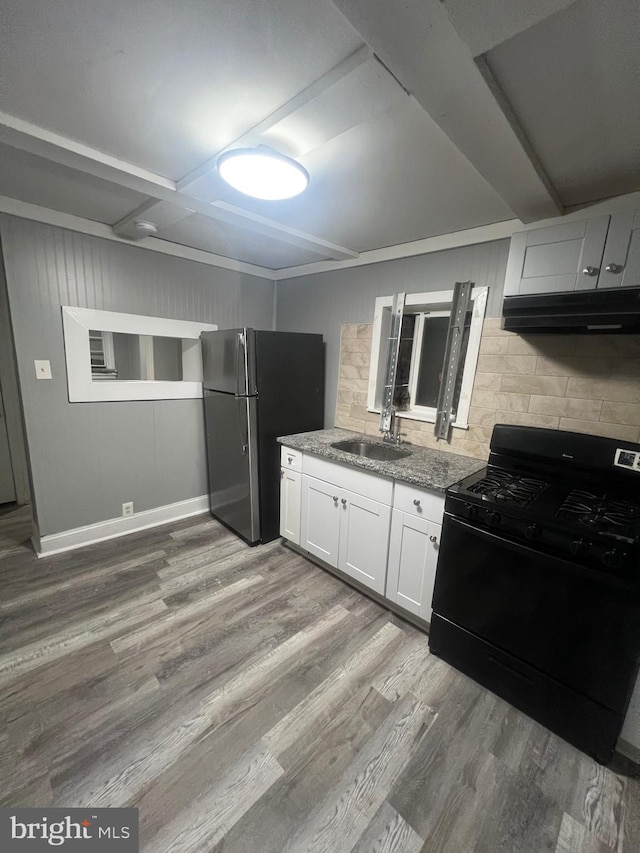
(537, 592)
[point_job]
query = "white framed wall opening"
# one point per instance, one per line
(423, 337)
(112, 356)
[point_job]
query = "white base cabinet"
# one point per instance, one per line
(320, 524)
(346, 530)
(364, 540)
(413, 557)
(290, 495)
(384, 535)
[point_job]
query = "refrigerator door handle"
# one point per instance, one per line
(244, 436)
(241, 365)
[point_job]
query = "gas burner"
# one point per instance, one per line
(504, 487)
(604, 515)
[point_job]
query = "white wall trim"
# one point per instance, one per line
(76, 323)
(80, 537)
(469, 237)
(426, 246)
(35, 212)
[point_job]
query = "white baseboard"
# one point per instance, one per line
(79, 537)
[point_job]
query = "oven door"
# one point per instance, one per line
(580, 626)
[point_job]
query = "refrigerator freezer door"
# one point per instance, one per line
(228, 358)
(232, 456)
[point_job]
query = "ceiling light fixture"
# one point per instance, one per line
(263, 173)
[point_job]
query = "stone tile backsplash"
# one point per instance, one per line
(582, 383)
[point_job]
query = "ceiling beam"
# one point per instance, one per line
(261, 225)
(59, 149)
(418, 43)
(485, 24)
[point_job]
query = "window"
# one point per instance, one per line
(112, 356)
(423, 338)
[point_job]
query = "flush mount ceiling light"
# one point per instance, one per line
(263, 173)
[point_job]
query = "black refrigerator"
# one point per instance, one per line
(257, 385)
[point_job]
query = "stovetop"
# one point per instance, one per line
(591, 508)
(583, 522)
(505, 487)
(566, 494)
(602, 514)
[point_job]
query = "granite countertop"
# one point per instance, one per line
(427, 468)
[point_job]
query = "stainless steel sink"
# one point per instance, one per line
(379, 452)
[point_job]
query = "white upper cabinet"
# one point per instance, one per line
(603, 251)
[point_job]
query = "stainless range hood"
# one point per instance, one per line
(612, 310)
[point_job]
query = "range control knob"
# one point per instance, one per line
(614, 559)
(493, 518)
(579, 548)
(472, 510)
(532, 531)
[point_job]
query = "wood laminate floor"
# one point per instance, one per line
(245, 700)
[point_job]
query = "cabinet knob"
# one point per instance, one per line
(335, 499)
(433, 539)
(416, 502)
(590, 271)
(344, 501)
(290, 459)
(613, 268)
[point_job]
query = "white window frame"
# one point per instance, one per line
(437, 303)
(76, 323)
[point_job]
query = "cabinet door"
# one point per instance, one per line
(364, 539)
(320, 520)
(621, 261)
(290, 498)
(413, 556)
(554, 259)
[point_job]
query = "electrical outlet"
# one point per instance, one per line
(127, 509)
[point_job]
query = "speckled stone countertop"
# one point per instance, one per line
(429, 469)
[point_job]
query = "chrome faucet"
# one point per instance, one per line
(392, 435)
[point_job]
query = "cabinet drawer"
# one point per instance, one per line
(345, 477)
(291, 459)
(419, 502)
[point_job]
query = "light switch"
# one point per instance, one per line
(43, 369)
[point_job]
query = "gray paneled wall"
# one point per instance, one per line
(323, 302)
(88, 458)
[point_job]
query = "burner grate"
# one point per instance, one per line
(602, 514)
(504, 487)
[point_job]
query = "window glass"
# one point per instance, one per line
(434, 339)
(402, 397)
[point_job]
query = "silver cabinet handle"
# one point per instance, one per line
(335, 499)
(433, 539)
(613, 268)
(290, 459)
(590, 271)
(344, 501)
(416, 502)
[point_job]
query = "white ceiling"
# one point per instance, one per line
(413, 119)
